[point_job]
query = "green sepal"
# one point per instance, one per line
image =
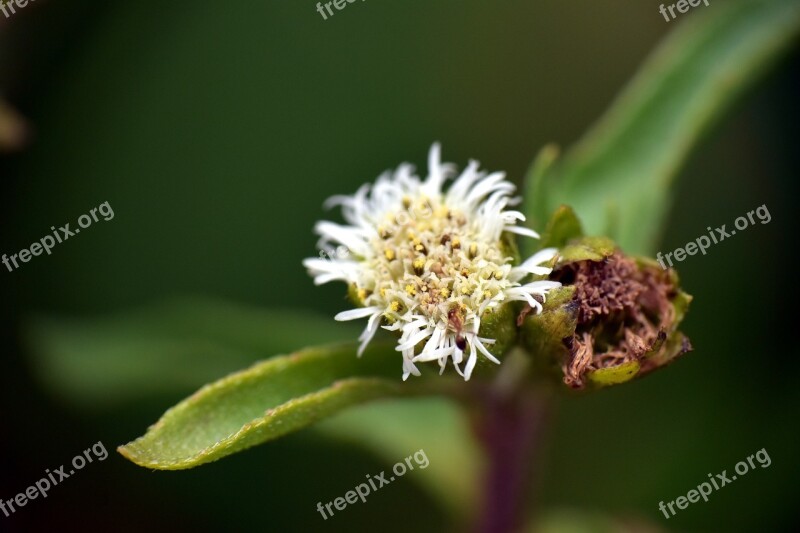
(585, 249)
(543, 334)
(500, 325)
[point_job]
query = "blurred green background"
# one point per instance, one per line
(215, 131)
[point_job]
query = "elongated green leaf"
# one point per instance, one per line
(170, 348)
(267, 401)
(618, 178)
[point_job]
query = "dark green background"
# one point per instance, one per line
(215, 131)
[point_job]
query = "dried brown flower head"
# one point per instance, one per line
(624, 311)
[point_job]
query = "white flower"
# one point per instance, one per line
(430, 263)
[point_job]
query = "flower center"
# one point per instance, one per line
(429, 258)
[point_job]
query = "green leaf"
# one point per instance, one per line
(562, 227)
(267, 401)
(393, 429)
(619, 176)
(169, 348)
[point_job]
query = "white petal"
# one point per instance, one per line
(437, 171)
(473, 358)
(525, 232)
(542, 256)
(433, 342)
(369, 332)
(485, 352)
(457, 193)
(409, 368)
(353, 314)
(352, 237)
(492, 182)
(414, 340)
(540, 286)
(432, 355)
(516, 294)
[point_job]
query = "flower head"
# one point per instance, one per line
(431, 263)
(616, 317)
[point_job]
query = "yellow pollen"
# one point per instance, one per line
(419, 264)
